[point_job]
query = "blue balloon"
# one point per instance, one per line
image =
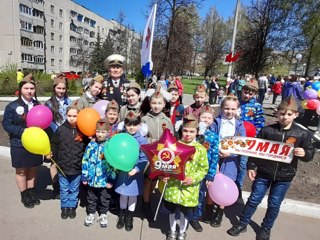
(316, 85)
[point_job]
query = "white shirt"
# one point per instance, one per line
(228, 127)
(116, 82)
(30, 104)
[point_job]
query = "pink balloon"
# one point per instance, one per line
(101, 107)
(39, 116)
(223, 190)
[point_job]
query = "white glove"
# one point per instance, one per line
(202, 128)
(178, 125)
(143, 129)
(120, 127)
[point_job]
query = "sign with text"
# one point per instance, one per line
(259, 148)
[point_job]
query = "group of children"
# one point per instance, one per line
(82, 161)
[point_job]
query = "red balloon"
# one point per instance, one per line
(250, 129)
(167, 156)
(312, 104)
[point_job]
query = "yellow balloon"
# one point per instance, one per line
(319, 93)
(36, 141)
(304, 104)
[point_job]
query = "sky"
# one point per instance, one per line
(135, 11)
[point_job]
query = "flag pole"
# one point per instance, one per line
(233, 38)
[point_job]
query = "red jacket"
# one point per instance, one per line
(277, 88)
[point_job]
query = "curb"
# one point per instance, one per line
(290, 206)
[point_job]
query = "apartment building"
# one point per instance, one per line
(49, 35)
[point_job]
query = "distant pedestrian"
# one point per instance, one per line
(20, 76)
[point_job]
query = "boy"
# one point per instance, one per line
(181, 197)
(274, 175)
(98, 175)
(112, 115)
(250, 111)
(199, 98)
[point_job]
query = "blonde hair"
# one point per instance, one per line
(230, 98)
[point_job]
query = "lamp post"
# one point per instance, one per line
(298, 57)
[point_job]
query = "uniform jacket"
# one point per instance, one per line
(14, 120)
(252, 112)
(118, 94)
(155, 124)
(95, 169)
(126, 108)
(68, 146)
(84, 101)
(196, 169)
(282, 171)
(133, 186)
(229, 166)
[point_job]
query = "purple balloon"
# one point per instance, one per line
(101, 107)
(39, 116)
(310, 94)
(223, 190)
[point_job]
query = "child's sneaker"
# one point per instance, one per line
(89, 220)
(103, 221)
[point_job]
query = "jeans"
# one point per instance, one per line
(262, 93)
(98, 200)
(277, 193)
(198, 210)
(242, 170)
(69, 190)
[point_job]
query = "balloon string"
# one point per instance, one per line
(57, 166)
(156, 214)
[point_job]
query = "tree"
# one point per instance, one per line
(97, 57)
(80, 53)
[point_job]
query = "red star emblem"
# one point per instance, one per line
(167, 156)
(148, 37)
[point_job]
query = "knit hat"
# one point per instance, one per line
(207, 109)
(60, 78)
(115, 60)
(132, 116)
(112, 105)
(134, 84)
(157, 93)
(200, 88)
(98, 78)
(252, 83)
(172, 86)
(28, 78)
(103, 124)
(289, 103)
(190, 121)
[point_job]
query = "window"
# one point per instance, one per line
(26, 42)
(52, 9)
(25, 9)
(60, 50)
(73, 39)
(38, 44)
(73, 13)
(87, 20)
(60, 63)
(79, 41)
(92, 34)
(86, 43)
(38, 59)
(37, 13)
(60, 12)
(52, 23)
(38, 29)
(79, 29)
(73, 27)
(80, 17)
(52, 49)
(86, 31)
(52, 62)
(52, 36)
(73, 51)
(60, 38)
(91, 44)
(27, 57)
(60, 25)
(26, 26)
(92, 23)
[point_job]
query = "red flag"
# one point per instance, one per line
(229, 57)
(235, 57)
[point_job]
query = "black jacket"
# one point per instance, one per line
(68, 146)
(278, 171)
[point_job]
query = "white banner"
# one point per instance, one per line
(259, 148)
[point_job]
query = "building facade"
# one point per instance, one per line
(51, 35)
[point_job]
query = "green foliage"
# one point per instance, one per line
(190, 84)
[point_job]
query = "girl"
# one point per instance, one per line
(181, 197)
(226, 125)
(91, 95)
(133, 100)
(130, 184)
(58, 104)
(14, 122)
(176, 111)
(156, 121)
(68, 145)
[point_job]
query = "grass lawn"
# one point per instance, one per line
(190, 84)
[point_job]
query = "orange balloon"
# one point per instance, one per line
(87, 120)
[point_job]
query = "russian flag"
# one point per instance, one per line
(146, 50)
